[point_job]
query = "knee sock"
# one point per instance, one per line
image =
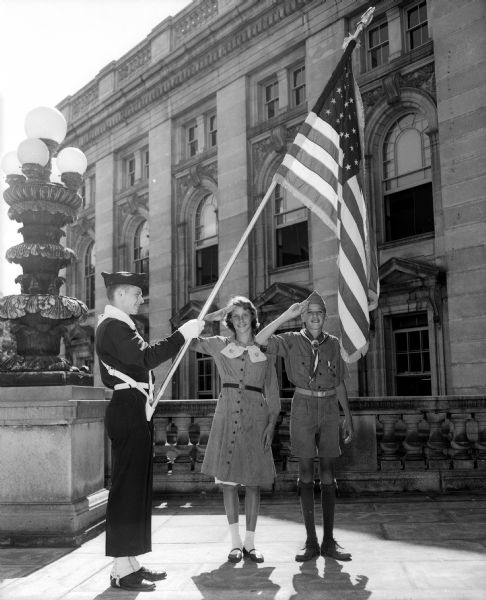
(249, 542)
(235, 536)
(328, 501)
(121, 567)
(307, 506)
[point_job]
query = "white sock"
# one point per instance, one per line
(121, 567)
(134, 562)
(235, 536)
(249, 540)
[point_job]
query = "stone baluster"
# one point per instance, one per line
(171, 450)
(480, 443)
(436, 450)
(461, 446)
(412, 444)
(389, 444)
(182, 423)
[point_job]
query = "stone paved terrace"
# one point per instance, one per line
(419, 547)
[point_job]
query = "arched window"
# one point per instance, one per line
(141, 249)
(206, 241)
(89, 276)
(291, 232)
(407, 179)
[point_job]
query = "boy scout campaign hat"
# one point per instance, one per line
(125, 278)
(316, 298)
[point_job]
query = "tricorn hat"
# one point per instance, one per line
(316, 298)
(125, 278)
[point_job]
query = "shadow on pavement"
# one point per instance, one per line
(335, 581)
(251, 579)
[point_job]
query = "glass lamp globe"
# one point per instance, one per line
(71, 160)
(46, 123)
(10, 164)
(33, 151)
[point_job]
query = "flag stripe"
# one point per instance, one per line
(310, 198)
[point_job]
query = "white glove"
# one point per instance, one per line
(191, 329)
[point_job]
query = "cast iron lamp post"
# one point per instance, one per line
(39, 315)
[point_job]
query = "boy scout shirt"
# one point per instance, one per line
(296, 351)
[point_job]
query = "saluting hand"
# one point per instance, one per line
(296, 310)
(218, 315)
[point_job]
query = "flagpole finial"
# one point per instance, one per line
(364, 21)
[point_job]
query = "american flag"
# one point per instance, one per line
(321, 169)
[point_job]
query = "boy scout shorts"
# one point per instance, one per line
(314, 427)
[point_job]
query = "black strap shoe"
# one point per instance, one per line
(253, 555)
(333, 550)
(310, 551)
(152, 575)
(134, 582)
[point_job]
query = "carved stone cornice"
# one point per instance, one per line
(277, 142)
(391, 86)
(193, 178)
(173, 73)
(84, 102)
(134, 63)
(84, 225)
(132, 204)
(194, 20)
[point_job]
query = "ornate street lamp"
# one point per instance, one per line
(39, 315)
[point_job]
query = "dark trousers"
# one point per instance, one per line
(129, 510)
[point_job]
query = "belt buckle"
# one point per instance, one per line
(241, 386)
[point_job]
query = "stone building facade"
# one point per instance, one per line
(184, 133)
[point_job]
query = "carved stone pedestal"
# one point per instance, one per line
(52, 465)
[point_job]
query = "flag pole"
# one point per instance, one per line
(214, 291)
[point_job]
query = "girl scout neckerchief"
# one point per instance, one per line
(233, 350)
(315, 343)
(147, 389)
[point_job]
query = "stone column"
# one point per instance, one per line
(232, 185)
(160, 239)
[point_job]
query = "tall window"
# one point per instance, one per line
(298, 86)
(89, 276)
(191, 140)
(146, 164)
(92, 190)
(270, 99)
(206, 241)
(291, 232)
(205, 376)
(130, 171)
(378, 48)
(83, 192)
(407, 184)
(141, 249)
(412, 355)
(212, 131)
(417, 30)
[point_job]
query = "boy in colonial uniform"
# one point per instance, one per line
(126, 363)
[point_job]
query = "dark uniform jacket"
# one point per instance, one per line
(129, 510)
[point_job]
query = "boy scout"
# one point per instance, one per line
(315, 367)
(126, 361)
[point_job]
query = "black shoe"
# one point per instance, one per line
(310, 551)
(332, 550)
(133, 582)
(152, 575)
(253, 555)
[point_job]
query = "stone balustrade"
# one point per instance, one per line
(429, 444)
